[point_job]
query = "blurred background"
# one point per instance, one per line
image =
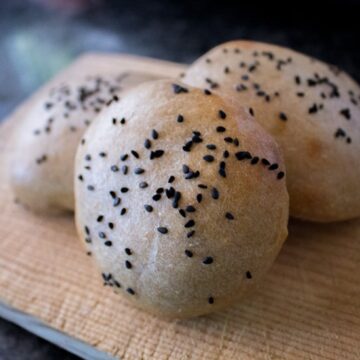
(40, 37)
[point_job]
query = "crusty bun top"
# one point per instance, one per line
(47, 138)
(311, 108)
(185, 205)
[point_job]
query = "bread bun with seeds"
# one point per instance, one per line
(42, 169)
(189, 208)
(311, 108)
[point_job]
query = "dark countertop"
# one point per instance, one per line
(40, 37)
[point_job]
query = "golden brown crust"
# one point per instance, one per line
(46, 140)
(311, 108)
(180, 240)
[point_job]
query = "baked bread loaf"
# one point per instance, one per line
(46, 140)
(187, 208)
(311, 108)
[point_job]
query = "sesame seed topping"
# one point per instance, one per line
(248, 275)
(130, 291)
(90, 187)
(190, 234)
(222, 114)
(190, 209)
(226, 154)
(124, 189)
(220, 129)
(199, 198)
(139, 171)
(114, 168)
(190, 223)
(265, 162)
(143, 185)
(207, 92)
(100, 218)
(211, 146)
(214, 193)
(124, 157)
(156, 197)
(124, 169)
(135, 154)
(273, 166)
(108, 243)
(229, 216)
(254, 160)
(180, 118)
(208, 158)
(185, 169)
(251, 111)
(188, 253)
(202, 186)
(156, 154)
(210, 300)
(171, 179)
(208, 260)
(182, 212)
(242, 155)
(179, 89)
(147, 144)
(154, 134)
(280, 175)
(123, 211)
(111, 225)
(128, 264)
(128, 251)
(162, 230)
(148, 208)
(282, 116)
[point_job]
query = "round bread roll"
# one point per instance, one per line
(311, 108)
(46, 140)
(188, 208)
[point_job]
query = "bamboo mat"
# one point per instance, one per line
(307, 308)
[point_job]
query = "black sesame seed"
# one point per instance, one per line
(209, 158)
(124, 189)
(300, 94)
(199, 198)
(124, 169)
(130, 291)
(208, 260)
(87, 230)
(207, 92)
(154, 134)
(226, 154)
(159, 190)
(265, 162)
(124, 157)
(81, 178)
(190, 209)
(236, 142)
(112, 194)
(162, 230)
(90, 187)
(273, 166)
(143, 185)
(220, 129)
(88, 157)
(185, 169)
(100, 218)
(128, 251)
(222, 172)
(179, 89)
(242, 155)
(147, 144)
(282, 116)
(211, 146)
(122, 121)
(156, 154)
(111, 225)
(180, 118)
(114, 168)
(297, 80)
(313, 109)
(229, 216)
(116, 202)
(254, 160)
(210, 300)
(222, 114)
(171, 179)
(139, 171)
(108, 243)
(176, 200)
(102, 235)
(188, 253)
(346, 113)
(182, 212)
(148, 208)
(202, 186)
(280, 175)
(228, 139)
(251, 111)
(190, 223)
(123, 211)
(117, 284)
(214, 193)
(102, 154)
(114, 121)
(136, 155)
(128, 264)
(248, 275)
(156, 197)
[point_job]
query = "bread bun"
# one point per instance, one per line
(46, 140)
(311, 108)
(189, 207)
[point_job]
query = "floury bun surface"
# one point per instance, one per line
(185, 205)
(311, 108)
(42, 169)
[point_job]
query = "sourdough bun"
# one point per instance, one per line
(189, 207)
(311, 108)
(46, 140)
